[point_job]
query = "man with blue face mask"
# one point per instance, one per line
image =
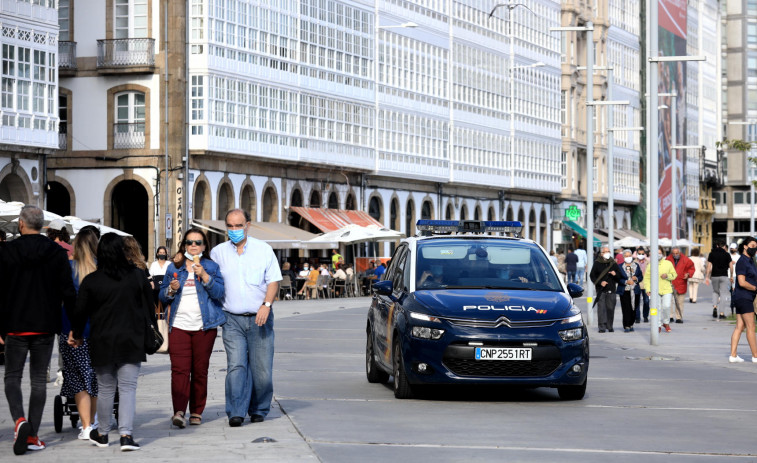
(251, 273)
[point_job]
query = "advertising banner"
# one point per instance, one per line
(672, 42)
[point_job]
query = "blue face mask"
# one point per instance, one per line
(235, 235)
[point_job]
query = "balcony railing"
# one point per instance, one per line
(63, 136)
(122, 53)
(67, 56)
(127, 135)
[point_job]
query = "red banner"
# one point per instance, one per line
(672, 16)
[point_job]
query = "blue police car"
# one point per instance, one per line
(462, 305)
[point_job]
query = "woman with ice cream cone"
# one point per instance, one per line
(193, 286)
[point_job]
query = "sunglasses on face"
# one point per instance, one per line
(191, 242)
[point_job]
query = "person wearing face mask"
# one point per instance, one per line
(194, 288)
(667, 273)
(698, 276)
(634, 277)
(158, 270)
(252, 275)
(743, 299)
(641, 296)
(685, 270)
(606, 276)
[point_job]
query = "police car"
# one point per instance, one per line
(461, 305)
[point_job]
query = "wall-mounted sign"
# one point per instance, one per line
(573, 213)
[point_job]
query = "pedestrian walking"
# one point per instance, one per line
(641, 299)
(743, 299)
(606, 276)
(158, 270)
(634, 276)
(194, 289)
(251, 275)
(733, 248)
(79, 378)
(35, 279)
(571, 265)
(720, 274)
(117, 300)
(684, 270)
(667, 273)
(698, 277)
(581, 265)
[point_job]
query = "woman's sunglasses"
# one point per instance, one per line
(191, 242)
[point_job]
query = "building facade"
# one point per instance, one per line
(28, 93)
(399, 109)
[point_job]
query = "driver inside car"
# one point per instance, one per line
(512, 274)
(431, 277)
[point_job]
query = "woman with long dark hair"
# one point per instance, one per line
(116, 298)
(194, 288)
(743, 299)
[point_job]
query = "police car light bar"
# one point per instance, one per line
(468, 226)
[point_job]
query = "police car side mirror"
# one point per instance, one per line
(575, 290)
(383, 287)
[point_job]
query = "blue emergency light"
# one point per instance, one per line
(429, 227)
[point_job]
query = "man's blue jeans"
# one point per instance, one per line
(249, 358)
(571, 277)
(580, 272)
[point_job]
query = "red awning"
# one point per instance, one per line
(328, 220)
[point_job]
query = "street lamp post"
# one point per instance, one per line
(589, 29)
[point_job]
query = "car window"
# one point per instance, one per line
(399, 272)
(485, 263)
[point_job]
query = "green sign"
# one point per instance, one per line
(573, 213)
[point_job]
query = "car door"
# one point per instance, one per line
(385, 307)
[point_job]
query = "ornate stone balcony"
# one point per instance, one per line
(118, 56)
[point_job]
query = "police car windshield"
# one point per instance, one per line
(485, 264)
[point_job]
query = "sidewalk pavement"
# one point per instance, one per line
(276, 439)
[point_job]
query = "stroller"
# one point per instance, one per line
(66, 406)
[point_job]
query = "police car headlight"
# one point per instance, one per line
(424, 332)
(572, 334)
(572, 319)
(424, 317)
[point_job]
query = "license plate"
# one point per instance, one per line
(503, 353)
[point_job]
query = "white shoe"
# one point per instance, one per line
(754, 359)
(84, 434)
(736, 359)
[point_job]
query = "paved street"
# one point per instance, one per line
(680, 401)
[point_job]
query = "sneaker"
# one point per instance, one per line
(722, 316)
(34, 443)
(84, 433)
(715, 312)
(736, 359)
(754, 359)
(128, 444)
(21, 435)
(679, 320)
(97, 439)
(631, 329)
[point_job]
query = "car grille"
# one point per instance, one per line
(501, 321)
(472, 367)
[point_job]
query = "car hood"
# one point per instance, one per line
(488, 304)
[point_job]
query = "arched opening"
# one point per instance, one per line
(477, 213)
(201, 202)
(294, 219)
(543, 228)
(12, 188)
(374, 208)
(464, 212)
(247, 201)
(394, 219)
(296, 198)
(129, 211)
(410, 218)
(509, 213)
(225, 201)
(315, 199)
(58, 199)
(426, 210)
(532, 224)
(270, 205)
(350, 204)
(333, 200)
(521, 216)
(490, 215)
(448, 214)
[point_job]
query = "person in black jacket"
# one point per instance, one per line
(117, 300)
(606, 275)
(35, 279)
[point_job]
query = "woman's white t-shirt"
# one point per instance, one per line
(188, 316)
(156, 269)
